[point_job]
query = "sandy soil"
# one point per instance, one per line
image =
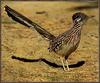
(28, 45)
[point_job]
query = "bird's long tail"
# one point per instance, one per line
(25, 21)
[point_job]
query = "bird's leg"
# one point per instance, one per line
(62, 61)
(67, 65)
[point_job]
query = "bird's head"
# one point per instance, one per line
(80, 17)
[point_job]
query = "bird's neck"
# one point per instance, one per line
(76, 29)
(77, 25)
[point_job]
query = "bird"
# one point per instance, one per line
(65, 43)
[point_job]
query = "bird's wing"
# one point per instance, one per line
(25, 21)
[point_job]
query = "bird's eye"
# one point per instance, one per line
(79, 19)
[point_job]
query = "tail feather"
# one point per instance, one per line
(26, 22)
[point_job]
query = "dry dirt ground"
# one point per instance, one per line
(27, 45)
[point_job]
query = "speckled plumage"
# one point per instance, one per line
(65, 43)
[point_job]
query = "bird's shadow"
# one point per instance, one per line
(78, 64)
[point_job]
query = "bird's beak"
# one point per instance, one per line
(92, 17)
(89, 17)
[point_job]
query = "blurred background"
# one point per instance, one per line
(27, 46)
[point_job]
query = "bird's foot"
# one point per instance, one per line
(66, 69)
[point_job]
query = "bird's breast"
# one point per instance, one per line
(64, 48)
(67, 49)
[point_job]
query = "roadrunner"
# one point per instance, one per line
(65, 43)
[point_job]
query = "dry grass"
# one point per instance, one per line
(25, 43)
